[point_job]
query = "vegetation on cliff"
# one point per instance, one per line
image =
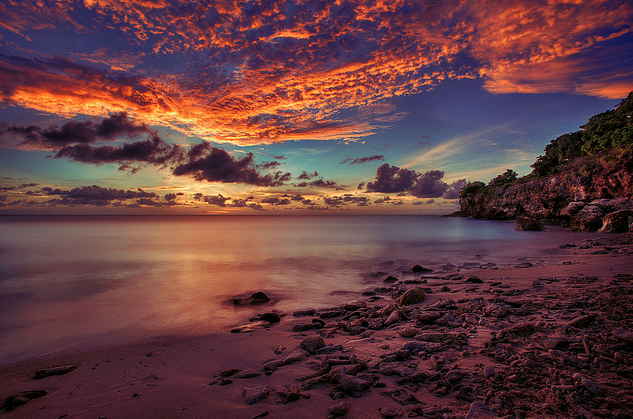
(583, 166)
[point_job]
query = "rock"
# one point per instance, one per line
(349, 383)
(454, 376)
(246, 375)
(354, 305)
(408, 331)
(445, 288)
(328, 314)
(582, 321)
(617, 222)
(412, 296)
(589, 218)
(391, 280)
(496, 310)
(274, 364)
(524, 265)
(489, 371)
(253, 395)
(387, 310)
(448, 320)
(474, 280)
(395, 368)
(18, 399)
(389, 412)
(529, 224)
(59, 370)
(312, 344)
(593, 387)
(428, 317)
(623, 334)
(418, 269)
(338, 409)
(255, 299)
(480, 411)
(522, 329)
(299, 313)
(296, 356)
(554, 342)
(392, 319)
(270, 317)
(415, 347)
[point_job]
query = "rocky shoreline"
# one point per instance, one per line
(473, 340)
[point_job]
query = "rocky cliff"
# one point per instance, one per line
(582, 180)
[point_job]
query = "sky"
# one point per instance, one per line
(292, 107)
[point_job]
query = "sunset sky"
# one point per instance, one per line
(167, 106)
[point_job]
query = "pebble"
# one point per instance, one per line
(253, 395)
(312, 344)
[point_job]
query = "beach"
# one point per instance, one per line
(469, 340)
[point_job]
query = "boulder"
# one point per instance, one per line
(253, 395)
(589, 218)
(18, 399)
(312, 344)
(59, 370)
(529, 224)
(255, 299)
(419, 269)
(270, 317)
(412, 296)
(617, 222)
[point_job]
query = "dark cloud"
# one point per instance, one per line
(204, 162)
(297, 198)
(361, 160)
(320, 183)
(152, 151)
(170, 196)
(453, 190)
(307, 176)
(75, 132)
(360, 186)
(78, 141)
(392, 179)
(94, 195)
(268, 165)
(218, 200)
(273, 200)
(278, 157)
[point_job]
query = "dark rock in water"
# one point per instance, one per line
(529, 224)
(255, 394)
(255, 299)
(390, 279)
(617, 222)
(480, 411)
(59, 370)
(18, 399)
(328, 314)
(312, 344)
(354, 305)
(299, 313)
(474, 280)
(418, 268)
(270, 317)
(412, 296)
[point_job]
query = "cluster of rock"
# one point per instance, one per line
(598, 200)
(548, 351)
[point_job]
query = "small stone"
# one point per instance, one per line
(274, 364)
(354, 305)
(255, 299)
(389, 412)
(349, 383)
(593, 387)
(338, 409)
(296, 356)
(412, 296)
(623, 334)
(390, 280)
(445, 288)
(480, 411)
(582, 321)
(59, 370)
(312, 344)
(474, 280)
(392, 319)
(18, 399)
(299, 313)
(489, 371)
(253, 395)
(270, 317)
(408, 331)
(454, 376)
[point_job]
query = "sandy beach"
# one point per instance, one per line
(551, 339)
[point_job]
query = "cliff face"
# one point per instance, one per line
(583, 180)
(579, 199)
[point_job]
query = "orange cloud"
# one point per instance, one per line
(265, 72)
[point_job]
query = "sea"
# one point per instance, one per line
(79, 282)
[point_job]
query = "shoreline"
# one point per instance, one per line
(456, 363)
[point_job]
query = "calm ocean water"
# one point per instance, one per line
(69, 282)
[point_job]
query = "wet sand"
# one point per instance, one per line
(554, 339)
